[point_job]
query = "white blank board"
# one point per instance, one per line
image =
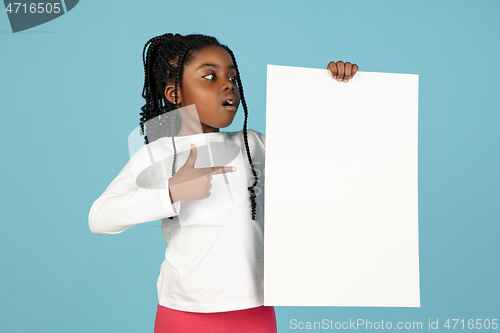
(341, 200)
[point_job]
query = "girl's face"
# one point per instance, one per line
(208, 81)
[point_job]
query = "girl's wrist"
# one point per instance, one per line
(170, 195)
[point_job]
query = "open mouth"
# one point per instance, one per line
(229, 103)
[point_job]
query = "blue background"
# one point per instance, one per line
(71, 94)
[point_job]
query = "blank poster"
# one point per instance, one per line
(341, 194)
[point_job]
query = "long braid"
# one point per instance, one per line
(177, 81)
(149, 92)
(243, 102)
(166, 56)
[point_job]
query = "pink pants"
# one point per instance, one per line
(261, 319)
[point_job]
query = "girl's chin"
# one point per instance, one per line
(226, 123)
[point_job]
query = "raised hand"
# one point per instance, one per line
(342, 71)
(190, 183)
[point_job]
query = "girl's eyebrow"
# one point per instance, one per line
(214, 65)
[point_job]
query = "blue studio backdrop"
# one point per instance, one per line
(70, 94)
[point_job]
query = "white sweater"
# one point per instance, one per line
(215, 253)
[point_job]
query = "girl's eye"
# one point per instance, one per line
(233, 79)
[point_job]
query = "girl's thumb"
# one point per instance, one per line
(192, 156)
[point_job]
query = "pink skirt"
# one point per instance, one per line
(261, 319)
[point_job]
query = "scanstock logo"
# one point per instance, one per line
(25, 14)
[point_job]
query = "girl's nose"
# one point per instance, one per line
(228, 84)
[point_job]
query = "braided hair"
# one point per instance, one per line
(164, 61)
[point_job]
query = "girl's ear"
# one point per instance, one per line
(170, 94)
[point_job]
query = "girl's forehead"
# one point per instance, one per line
(212, 55)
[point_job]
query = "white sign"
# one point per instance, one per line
(341, 192)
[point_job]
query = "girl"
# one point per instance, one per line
(212, 276)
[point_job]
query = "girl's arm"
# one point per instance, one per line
(125, 204)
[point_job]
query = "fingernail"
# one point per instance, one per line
(233, 169)
(192, 146)
(334, 77)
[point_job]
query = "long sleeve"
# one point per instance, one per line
(124, 203)
(261, 139)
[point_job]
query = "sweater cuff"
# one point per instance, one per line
(170, 209)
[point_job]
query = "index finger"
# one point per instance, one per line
(333, 68)
(218, 170)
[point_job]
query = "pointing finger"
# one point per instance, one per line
(219, 170)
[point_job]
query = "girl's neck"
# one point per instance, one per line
(201, 134)
(187, 130)
(188, 133)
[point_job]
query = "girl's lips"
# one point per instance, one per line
(229, 107)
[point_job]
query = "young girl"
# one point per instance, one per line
(212, 276)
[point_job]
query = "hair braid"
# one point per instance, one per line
(177, 81)
(149, 92)
(243, 102)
